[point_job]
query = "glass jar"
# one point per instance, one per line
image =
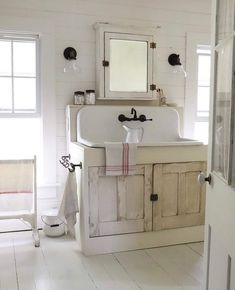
(90, 97)
(79, 98)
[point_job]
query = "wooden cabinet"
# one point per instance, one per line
(181, 199)
(120, 204)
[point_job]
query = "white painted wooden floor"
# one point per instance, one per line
(59, 265)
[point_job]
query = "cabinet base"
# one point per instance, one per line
(135, 241)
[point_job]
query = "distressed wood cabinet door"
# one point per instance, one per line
(120, 204)
(181, 199)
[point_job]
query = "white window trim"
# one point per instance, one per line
(205, 48)
(25, 37)
(191, 84)
(45, 29)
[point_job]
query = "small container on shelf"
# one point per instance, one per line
(79, 98)
(90, 97)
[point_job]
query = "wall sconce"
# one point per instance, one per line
(70, 54)
(174, 60)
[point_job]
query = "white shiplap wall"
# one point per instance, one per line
(70, 23)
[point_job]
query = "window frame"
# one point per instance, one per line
(24, 37)
(193, 41)
(207, 52)
(46, 31)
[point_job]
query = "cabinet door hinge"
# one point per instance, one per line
(153, 45)
(105, 63)
(153, 87)
(154, 197)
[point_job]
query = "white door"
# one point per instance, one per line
(220, 200)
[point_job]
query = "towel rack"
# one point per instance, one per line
(65, 161)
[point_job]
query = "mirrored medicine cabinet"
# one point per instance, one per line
(125, 59)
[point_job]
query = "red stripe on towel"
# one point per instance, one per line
(125, 159)
(116, 167)
(14, 192)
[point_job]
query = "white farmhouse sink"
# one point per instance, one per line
(99, 124)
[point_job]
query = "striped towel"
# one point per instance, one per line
(120, 158)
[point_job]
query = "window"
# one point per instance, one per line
(203, 93)
(20, 122)
(19, 75)
(197, 93)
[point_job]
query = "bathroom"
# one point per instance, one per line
(181, 27)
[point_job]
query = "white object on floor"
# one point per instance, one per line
(120, 158)
(69, 204)
(53, 226)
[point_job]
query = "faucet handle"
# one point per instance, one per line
(122, 118)
(143, 118)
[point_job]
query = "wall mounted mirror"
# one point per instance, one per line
(125, 63)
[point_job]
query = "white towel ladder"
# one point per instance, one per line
(18, 176)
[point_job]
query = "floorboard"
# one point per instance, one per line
(181, 263)
(8, 274)
(59, 265)
(108, 273)
(197, 247)
(146, 272)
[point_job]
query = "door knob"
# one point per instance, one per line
(202, 178)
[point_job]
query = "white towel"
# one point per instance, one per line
(120, 158)
(69, 203)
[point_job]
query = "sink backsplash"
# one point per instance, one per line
(99, 124)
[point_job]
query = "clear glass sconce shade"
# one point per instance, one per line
(179, 69)
(72, 66)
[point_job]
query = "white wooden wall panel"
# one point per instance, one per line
(192, 6)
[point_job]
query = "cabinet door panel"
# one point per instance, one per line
(170, 194)
(193, 192)
(135, 197)
(121, 227)
(181, 199)
(107, 194)
(120, 204)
